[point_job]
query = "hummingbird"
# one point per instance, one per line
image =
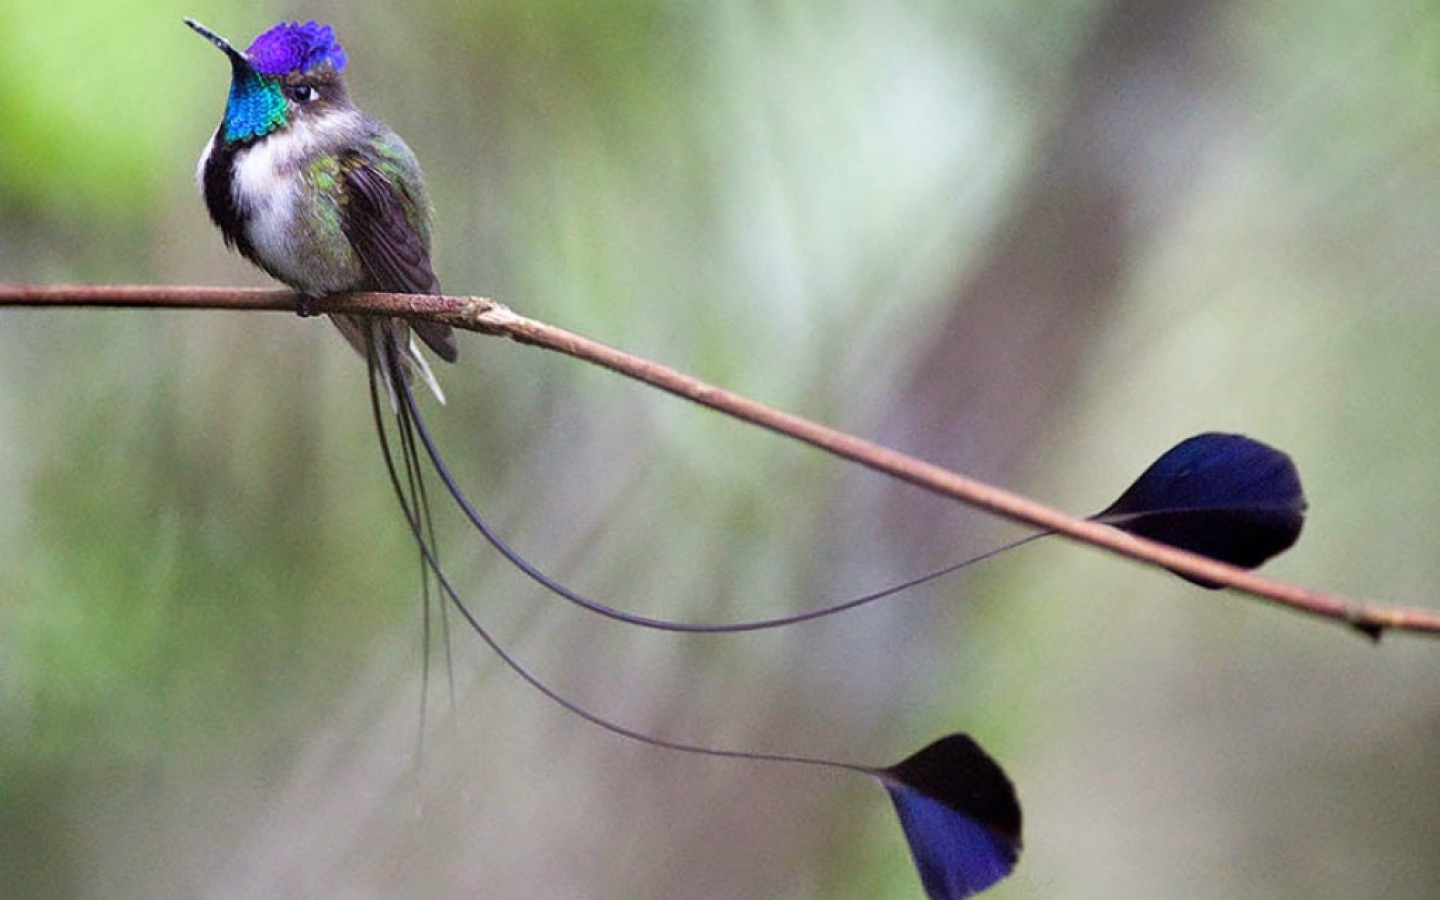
(320, 195)
(328, 200)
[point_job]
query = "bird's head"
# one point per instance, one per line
(289, 73)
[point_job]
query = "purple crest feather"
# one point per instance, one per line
(292, 47)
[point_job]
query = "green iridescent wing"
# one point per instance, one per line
(378, 219)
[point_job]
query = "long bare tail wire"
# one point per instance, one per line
(595, 606)
(410, 493)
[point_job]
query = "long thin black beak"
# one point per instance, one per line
(237, 59)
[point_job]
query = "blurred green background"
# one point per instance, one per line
(1036, 242)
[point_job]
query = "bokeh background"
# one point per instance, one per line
(1035, 242)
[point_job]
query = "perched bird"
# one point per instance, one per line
(328, 200)
(320, 195)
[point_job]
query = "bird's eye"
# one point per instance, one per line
(302, 93)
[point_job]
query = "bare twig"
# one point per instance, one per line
(489, 317)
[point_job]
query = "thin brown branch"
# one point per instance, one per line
(489, 317)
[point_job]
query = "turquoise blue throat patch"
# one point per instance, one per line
(256, 106)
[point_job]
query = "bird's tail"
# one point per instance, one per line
(358, 331)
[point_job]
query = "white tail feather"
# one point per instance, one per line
(412, 358)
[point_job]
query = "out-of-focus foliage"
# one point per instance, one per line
(86, 98)
(1039, 242)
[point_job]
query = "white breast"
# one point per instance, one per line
(268, 179)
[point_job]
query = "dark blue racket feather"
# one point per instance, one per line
(1225, 496)
(960, 816)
